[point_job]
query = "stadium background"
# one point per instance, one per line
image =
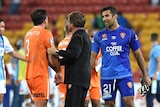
(143, 17)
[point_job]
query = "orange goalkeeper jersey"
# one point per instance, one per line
(37, 40)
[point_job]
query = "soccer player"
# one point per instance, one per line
(5, 47)
(154, 71)
(94, 90)
(37, 40)
(115, 43)
(62, 46)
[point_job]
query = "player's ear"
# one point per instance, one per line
(115, 16)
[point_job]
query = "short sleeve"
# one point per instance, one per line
(48, 38)
(7, 46)
(95, 44)
(134, 42)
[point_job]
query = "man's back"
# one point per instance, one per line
(36, 43)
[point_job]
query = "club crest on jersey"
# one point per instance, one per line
(104, 37)
(129, 84)
(122, 34)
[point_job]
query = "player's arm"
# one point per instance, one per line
(54, 63)
(93, 59)
(17, 55)
(142, 65)
(158, 68)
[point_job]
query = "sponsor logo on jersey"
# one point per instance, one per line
(113, 43)
(39, 95)
(106, 95)
(136, 37)
(123, 35)
(104, 37)
(113, 37)
(114, 50)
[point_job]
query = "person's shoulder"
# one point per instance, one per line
(102, 30)
(4, 38)
(127, 28)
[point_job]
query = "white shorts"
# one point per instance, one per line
(23, 89)
(52, 86)
(2, 86)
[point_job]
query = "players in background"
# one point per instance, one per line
(5, 47)
(154, 71)
(62, 46)
(115, 43)
(94, 90)
(54, 31)
(21, 75)
(51, 102)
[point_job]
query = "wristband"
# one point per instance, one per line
(157, 73)
(57, 51)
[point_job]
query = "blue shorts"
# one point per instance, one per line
(109, 88)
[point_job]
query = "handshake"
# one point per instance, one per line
(143, 89)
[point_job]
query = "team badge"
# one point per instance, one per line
(122, 34)
(104, 36)
(129, 84)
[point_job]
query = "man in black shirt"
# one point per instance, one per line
(76, 59)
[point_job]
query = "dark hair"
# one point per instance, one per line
(77, 19)
(38, 16)
(111, 8)
(1, 20)
(53, 22)
(154, 37)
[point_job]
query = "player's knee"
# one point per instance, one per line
(129, 101)
(110, 103)
(1, 99)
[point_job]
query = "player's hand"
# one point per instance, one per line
(146, 80)
(58, 78)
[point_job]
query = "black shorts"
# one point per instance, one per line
(75, 96)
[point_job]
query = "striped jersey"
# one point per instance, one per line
(5, 47)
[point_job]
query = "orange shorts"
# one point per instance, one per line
(94, 93)
(39, 88)
(62, 90)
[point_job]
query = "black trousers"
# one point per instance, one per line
(75, 96)
(150, 97)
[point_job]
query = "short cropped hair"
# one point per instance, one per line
(38, 16)
(154, 37)
(112, 9)
(77, 19)
(1, 20)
